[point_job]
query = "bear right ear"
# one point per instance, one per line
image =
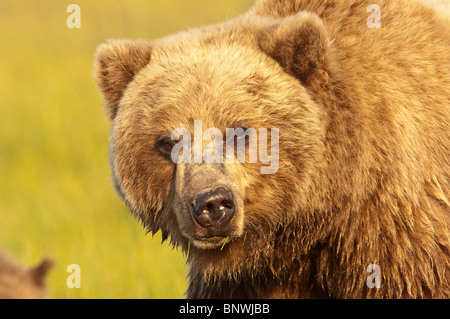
(39, 272)
(299, 43)
(116, 64)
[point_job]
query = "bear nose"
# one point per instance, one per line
(213, 207)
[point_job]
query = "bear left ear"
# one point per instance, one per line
(299, 43)
(116, 64)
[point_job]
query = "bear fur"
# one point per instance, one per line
(364, 147)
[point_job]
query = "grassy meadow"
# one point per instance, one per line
(56, 194)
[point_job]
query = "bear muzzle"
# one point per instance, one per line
(208, 204)
(214, 216)
(213, 207)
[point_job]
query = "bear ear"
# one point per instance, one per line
(116, 64)
(299, 43)
(39, 272)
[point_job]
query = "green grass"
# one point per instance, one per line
(56, 194)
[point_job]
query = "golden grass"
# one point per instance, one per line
(56, 195)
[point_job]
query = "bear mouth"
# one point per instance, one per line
(206, 242)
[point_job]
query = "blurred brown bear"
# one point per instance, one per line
(19, 283)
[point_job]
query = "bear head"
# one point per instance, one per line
(247, 74)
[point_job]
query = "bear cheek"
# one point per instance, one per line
(139, 175)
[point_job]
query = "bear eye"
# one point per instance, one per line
(240, 134)
(242, 140)
(164, 146)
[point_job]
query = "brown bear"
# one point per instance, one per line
(19, 283)
(358, 205)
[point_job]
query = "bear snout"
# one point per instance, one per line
(213, 207)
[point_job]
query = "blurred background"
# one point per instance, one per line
(56, 194)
